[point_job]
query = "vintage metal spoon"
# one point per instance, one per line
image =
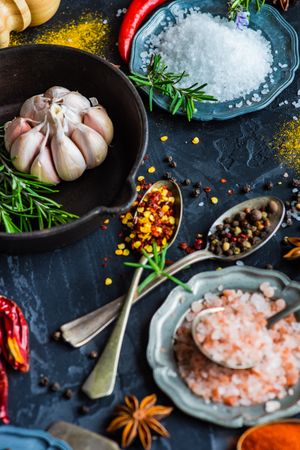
(81, 330)
(101, 381)
(256, 358)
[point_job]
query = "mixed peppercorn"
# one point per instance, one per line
(240, 233)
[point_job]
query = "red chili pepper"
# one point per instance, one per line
(14, 335)
(136, 13)
(3, 394)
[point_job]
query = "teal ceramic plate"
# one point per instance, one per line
(284, 43)
(170, 315)
(15, 438)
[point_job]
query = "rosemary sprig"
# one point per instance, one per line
(24, 202)
(167, 83)
(236, 6)
(156, 264)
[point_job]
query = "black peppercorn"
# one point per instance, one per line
(186, 182)
(44, 381)
(68, 393)
(93, 354)
(168, 158)
(168, 176)
(296, 183)
(56, 336)
(269, 185)
(246, 188)
(198, 185)
(84, 409)
(54, 387)
(269, 266)
(196, 193)
(173, 164)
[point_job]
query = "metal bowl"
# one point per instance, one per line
(106, 190)
(171, 314)
(281, 35)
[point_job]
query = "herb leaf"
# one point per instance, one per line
(236, 6)
(24, 201)
(157, 266)
(159, 79)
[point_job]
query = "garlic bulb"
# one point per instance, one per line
(14, 129)
(67, 157)
(43, 166)
(58, 135)
(25, 148)
(91, 144)
(98, 119)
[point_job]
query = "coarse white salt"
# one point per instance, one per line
(272, 405)
(213, 50)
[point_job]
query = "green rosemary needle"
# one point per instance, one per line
(24, 202)
(167, 83)
(156, 264)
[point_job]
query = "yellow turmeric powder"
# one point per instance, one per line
(90, 32)
(287, 144)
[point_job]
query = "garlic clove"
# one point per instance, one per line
(68, 160)
(43, 167)
(98, 119)
(76, 101)
(13, 129)
(72, 118)
(25, 148)
(35, 108)
(56, 92)
(91, 144)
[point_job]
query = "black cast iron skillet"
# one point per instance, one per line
(106, 190)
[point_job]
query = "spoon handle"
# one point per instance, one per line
(282, 314)
(81, 330)
(102, 379)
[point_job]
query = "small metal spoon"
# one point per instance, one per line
(256, 358)
(81, 330)
(101, 381)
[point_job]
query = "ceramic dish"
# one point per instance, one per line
(22, 439)
(170, 315)
(108, 189)
(278, 31)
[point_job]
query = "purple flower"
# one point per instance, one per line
(242, 19)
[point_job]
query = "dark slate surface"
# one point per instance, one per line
(56, 287)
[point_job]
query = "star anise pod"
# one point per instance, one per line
(139, 419)
(295, 252)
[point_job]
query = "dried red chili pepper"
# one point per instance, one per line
(137, 12)
(14, 335)
(3, 394)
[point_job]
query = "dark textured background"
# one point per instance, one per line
(56, 287)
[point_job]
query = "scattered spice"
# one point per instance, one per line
(44, 381)
(275, 436)
(151, 169)
(54, 387)
(240, 233)
(139, 419)
(164, 138)
(93, 354)
(214, 200)
(90, 32)
(108, 281)
(56, 335)
(68, 394)
(246, 188)
(287, 145)
(84, 410)
(195, 140)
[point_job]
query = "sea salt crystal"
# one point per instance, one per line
(272, 405)
(282, 66)
(281, 104)
(239, 105)
(298, 92)
(230, 106)
(286, 102)
(248, 102)
(295, 118)
(265, 91)
(210, 49)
